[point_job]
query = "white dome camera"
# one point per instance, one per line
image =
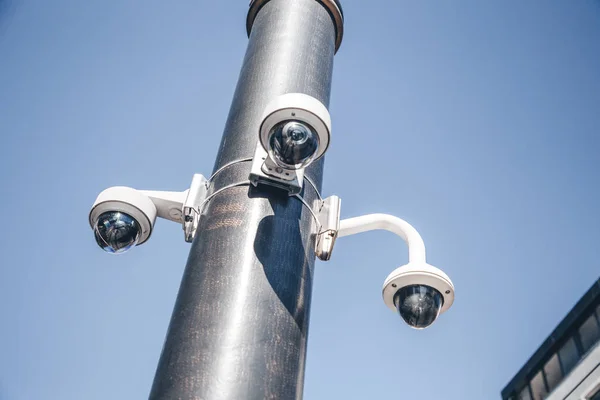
(121, 218)
(419, 292)
(295, 130)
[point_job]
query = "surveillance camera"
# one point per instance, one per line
(121, 218)
(419, 292)
(295, 130)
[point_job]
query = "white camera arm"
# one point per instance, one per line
(365, 223)
(181, 207)
(169, 205)
(331, 227)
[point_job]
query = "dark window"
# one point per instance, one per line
(553, 372)
(524, 395)
(538, 388)
(589, 333)
(568, 356)
(595, 396)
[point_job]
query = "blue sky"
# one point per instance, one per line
(476, 121)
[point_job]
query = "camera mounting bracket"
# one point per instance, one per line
(328, 217)
(265, 171)
(182, 207)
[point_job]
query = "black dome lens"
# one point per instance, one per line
(293, 144)
(116, 232)
(418, 305)
(297, 133)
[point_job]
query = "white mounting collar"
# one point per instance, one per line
(299, 107)
(128, 201)
(418, 273)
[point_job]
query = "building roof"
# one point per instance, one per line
(551, 345)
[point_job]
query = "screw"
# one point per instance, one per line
(447, 292)
(394, 285)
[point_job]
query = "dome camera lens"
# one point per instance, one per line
(116, 232)
(293, 144)
(418, 305)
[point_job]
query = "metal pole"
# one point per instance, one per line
(240, 323)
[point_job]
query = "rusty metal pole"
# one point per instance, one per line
(240, 323)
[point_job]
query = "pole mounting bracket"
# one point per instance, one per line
(328, 217)
(191, 206)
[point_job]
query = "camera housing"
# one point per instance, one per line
(419, 292)
(304, 111)
(123, 217)
(114, 205)
(294, 132)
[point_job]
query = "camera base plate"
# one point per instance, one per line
(266, 172)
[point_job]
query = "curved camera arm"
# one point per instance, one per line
(371, 222)
(182, 207)
(169, 205)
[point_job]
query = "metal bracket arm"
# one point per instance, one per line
(181, 207)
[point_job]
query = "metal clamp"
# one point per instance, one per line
(326, 215)
(229, 164)
(191, 206)
(197, 197)
(329, 220)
